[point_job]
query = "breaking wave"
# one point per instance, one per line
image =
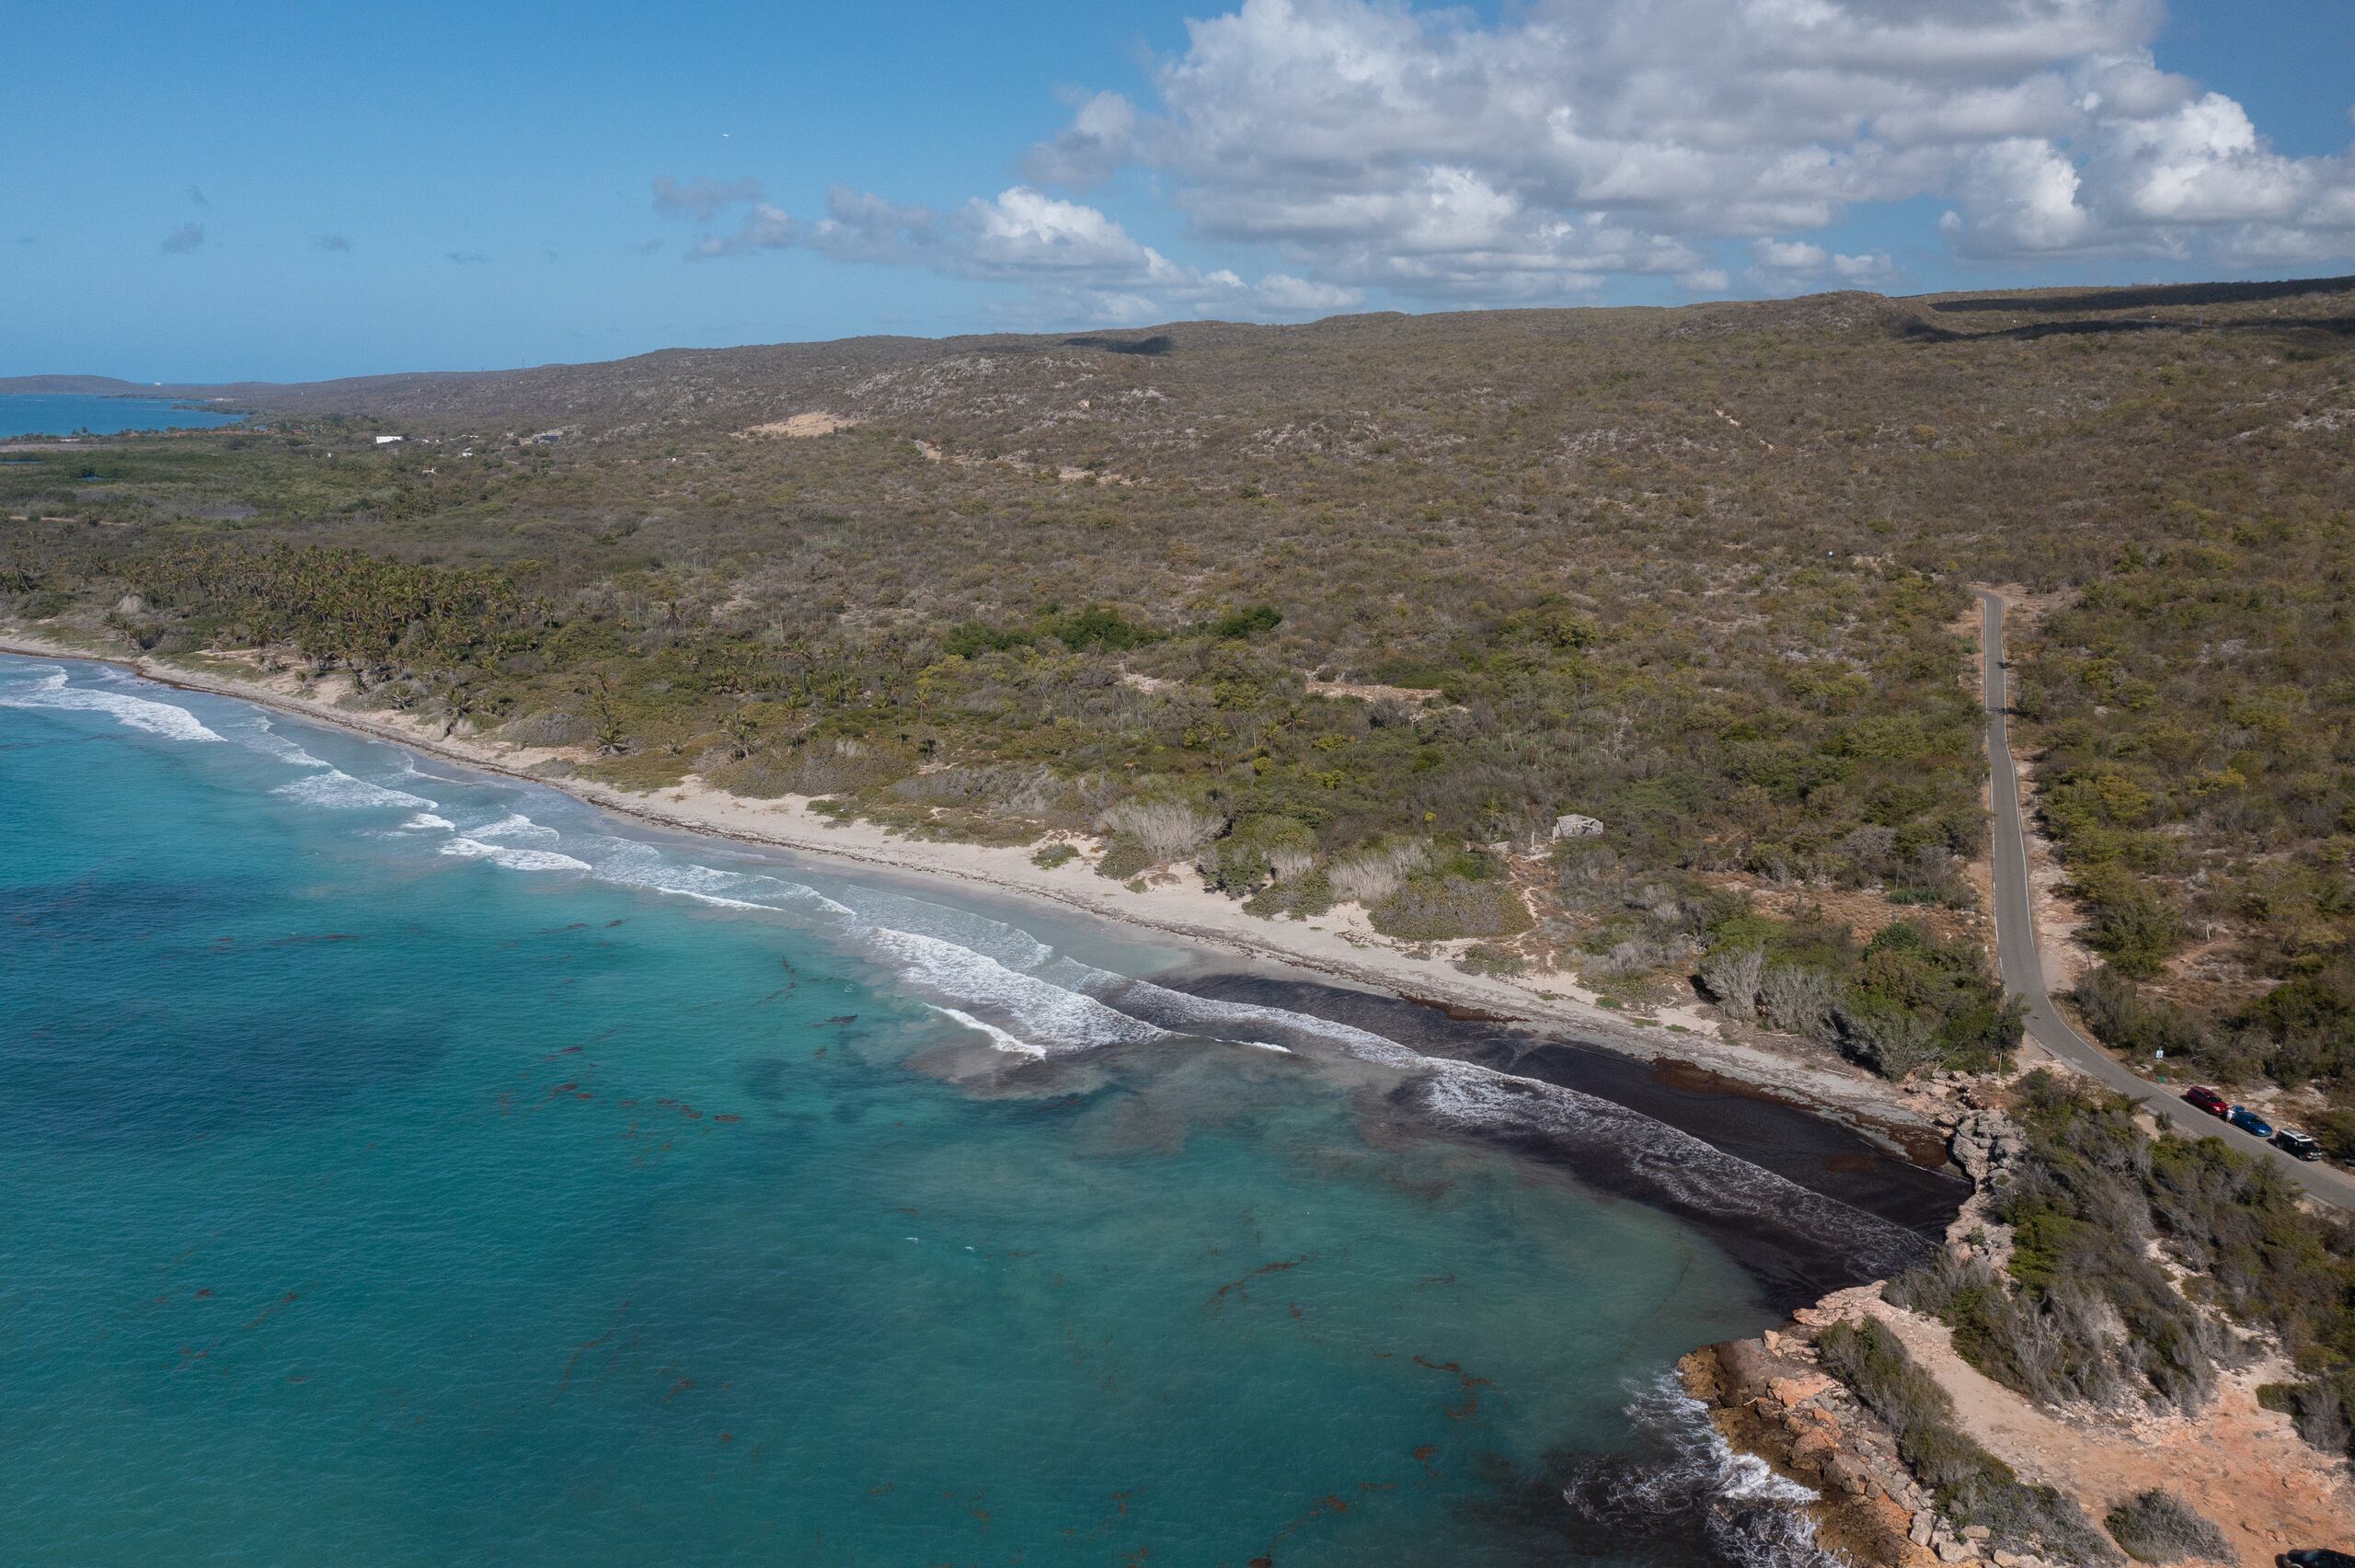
(515, 857)
(1685, 1498)
(51, 691)
(339, 791)
(1013, 1045)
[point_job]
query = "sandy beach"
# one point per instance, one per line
(1342, 946)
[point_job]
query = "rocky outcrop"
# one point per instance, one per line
(1771, 1397)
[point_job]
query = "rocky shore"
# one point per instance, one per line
(1772, 1398)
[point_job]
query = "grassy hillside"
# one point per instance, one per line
(1334, 611)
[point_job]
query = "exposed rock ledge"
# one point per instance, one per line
(1771, 1397)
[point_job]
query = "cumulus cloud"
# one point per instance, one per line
(334, 242)
(1779, 265)
(1079, 263)
(764, 228)
(183, 240)
(1099, 140)
(1436, 153)
(1372, 148)
(702, 197)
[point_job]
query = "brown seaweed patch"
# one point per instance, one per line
(1467, 1384)
(1240, 1287)
(621, 1315)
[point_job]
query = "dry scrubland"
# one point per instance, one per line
(1351, 612)
(1694, 573)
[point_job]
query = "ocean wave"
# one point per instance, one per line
(339, 791)
(1185, 1012)
(1057, 1020)
(51, 691)
(628, 864)
(1685, 1496)
(1035, 1001)
(513, 856)
(514, 825)
(261, 736)
(1013, 1045)
(1673, 1162)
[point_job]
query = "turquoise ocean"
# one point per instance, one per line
(60, 414)
(412, 1166)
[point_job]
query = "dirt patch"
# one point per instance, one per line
(1860, 910)
(801, 426)
(2237, 1462)
(1366, 690)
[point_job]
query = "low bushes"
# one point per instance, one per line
(1903, 1001)
(2156, 1528)
(1972, 1486)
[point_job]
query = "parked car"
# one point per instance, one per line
(2206, 1099)
(2249, 1122)
(2315, 1557)
(2290, 1140)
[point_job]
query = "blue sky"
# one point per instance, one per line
(212, 193)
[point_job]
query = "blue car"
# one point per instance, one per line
(2249, 1122)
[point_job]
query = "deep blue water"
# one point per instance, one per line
(42, 413)
(414, 1168)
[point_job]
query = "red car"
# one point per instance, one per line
(2208, 1100)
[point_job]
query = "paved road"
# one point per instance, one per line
(2024, 970)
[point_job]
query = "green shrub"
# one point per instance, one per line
(1971, 1486)
(2129, 924)
(1125, 858)
(1440, 909)
(1054, 856)
(2156, 1528)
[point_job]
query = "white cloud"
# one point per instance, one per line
(1790, 255)
(1080, 263)
(1368, 147)
(765, 228)
(1428, 151)
(702, 197)
(1099, 140)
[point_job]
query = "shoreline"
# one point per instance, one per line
(1350, 955)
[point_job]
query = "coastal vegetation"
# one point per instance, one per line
(1971, 1486)
(1352, 613)
(2141, 1265)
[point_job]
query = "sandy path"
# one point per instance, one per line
(1341, 947)
(2238, 1464)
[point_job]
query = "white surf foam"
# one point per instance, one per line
(52, 690)
(1013, 1045)
(514, 825)
(263, 737)
(631, 864)
(1693, 1171)
(426, 822)
(339, 791)
(515, 857)
(1056, 1019)
(1696, 1487)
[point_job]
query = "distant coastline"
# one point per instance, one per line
(56, 416)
